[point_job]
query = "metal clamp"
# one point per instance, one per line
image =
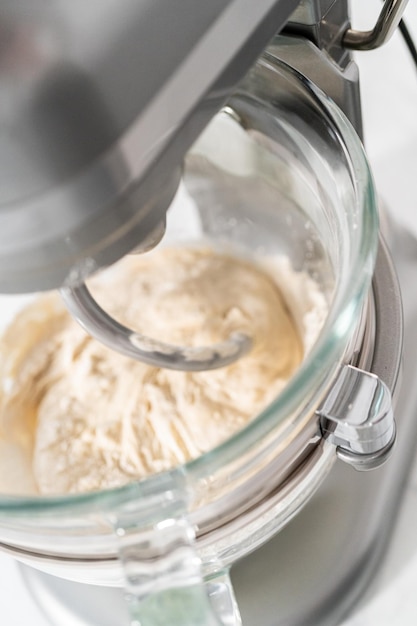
(388, 20)
(357, 418)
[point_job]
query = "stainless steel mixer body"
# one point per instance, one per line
(103, 175)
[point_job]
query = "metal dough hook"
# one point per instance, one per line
(84, 308)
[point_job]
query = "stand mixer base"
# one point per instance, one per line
(315, 570)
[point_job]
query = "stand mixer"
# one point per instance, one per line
(64, 253)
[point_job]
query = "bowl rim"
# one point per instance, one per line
(311, 374)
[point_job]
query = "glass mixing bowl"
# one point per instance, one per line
(279, 172)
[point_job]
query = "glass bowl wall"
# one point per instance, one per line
(279, 172)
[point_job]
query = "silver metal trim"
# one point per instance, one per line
(388, 20)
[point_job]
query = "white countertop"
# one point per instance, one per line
(389, 92)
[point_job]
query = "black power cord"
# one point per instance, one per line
(408, 40)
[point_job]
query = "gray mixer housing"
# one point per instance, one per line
(100, 100)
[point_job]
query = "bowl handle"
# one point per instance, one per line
(163, 576)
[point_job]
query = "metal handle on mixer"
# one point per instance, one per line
(114, 335)
(388, 20)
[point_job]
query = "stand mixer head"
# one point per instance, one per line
(98, 116)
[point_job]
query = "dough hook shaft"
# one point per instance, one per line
(114, 335)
